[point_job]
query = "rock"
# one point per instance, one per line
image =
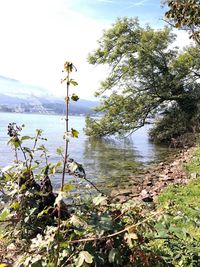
(166, 178)
(121, 199)
(125, 191)
(146, 196)
(149, 183)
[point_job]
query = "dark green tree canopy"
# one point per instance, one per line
(185, 14)
(147, 77)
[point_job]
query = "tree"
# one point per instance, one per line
(185, 14)
(147, 78)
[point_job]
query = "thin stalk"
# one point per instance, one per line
(92, 184)
(66, 140)
(126, 229)
(24, 154)
(33, 149)
(16, 156)
(64, 166)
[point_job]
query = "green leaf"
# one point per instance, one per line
(74, 97)
(42, 148)
(112, 255)
(84, 256)
(99, 200)
(26, 137)
(73, 82)
(67, 187)
(38, 132)
(74, 133)
(76, 221)
(15, 205)
(4, 214)
(59, 151)
(45, 211)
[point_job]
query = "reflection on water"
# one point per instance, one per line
(110, 161)
(107, 162)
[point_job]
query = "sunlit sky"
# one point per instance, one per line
(37, 36)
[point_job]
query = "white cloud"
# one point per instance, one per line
(140, 3)
(107, 1)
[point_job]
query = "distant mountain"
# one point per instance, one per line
(16, 96)
(12, 87)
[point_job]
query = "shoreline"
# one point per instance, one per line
(147, 186)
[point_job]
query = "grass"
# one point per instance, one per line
(184, 200)
(179, 227)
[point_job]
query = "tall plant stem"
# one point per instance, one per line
(64, 165)
(67, 130)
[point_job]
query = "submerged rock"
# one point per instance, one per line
(147, 186)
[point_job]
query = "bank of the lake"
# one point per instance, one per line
(158, 177)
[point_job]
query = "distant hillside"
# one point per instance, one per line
(80, 107)
(19, 97)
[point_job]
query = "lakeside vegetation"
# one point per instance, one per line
(41, 227)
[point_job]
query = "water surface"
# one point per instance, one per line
(108, 162)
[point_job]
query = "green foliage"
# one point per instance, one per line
(182, 219)
(147, 77)
(193, 166)
(180, 225)
(177, 244)
(185, 15)
(74, 133)
(172, 124)
(178, 196)
(74, 97)
(90, 232)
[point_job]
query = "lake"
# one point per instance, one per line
(107, 162)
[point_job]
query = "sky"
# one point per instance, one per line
(38, 36)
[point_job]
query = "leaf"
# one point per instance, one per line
(63, 80)
(106, 222)
(76, 221)
(26, 137)
(73, 82)
(67, 187)
(59, 151)
(72, 166)
(74, 133)
(4, 214)
(7, 168)
(3, 264)
(42, 147)
(74, 97)
(45, 211)
(99, 200)
(38, 132)
(112, 255)
(84, 256)
(130, 237)
(15, 205)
